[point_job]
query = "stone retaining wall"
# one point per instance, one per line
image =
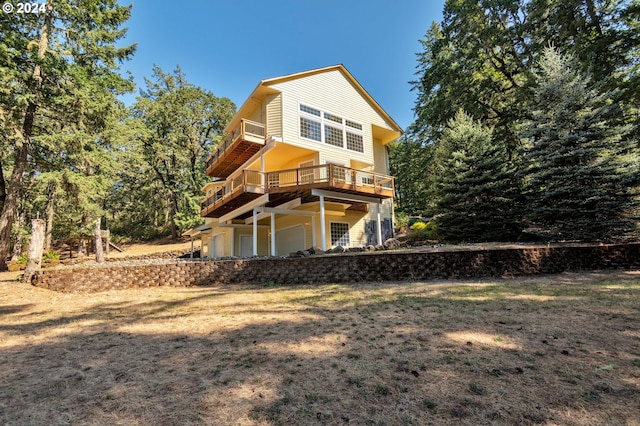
(345, 268)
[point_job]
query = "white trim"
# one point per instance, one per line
(343, 196)
(245, 208)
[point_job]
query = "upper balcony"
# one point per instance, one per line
(242, 143)
(250, 184)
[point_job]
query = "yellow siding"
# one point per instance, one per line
(274, 115)
(380, 157)
(256, 115)
(331, 92)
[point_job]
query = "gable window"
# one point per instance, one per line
(331, 129)
(340, 234)
(310, 129)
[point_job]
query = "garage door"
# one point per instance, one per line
(290, 240)
(217, 246)
(246, 245)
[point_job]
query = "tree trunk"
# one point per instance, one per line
(3, 188)
(17, 241)
(51, 195)
(16, 181)
(174, 210)
(97, 238)
(82, 247)
(34, 254)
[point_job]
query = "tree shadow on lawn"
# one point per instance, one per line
(434, 353)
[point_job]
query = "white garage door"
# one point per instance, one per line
(290, 240)
(246, 245)
(217, 246)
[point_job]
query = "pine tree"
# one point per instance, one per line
(475, 185)
(580, 171)
(58, 74)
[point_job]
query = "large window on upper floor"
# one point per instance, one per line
(321, 126)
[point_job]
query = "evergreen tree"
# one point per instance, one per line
(580, 177)
(409, 162)
(481, 56)
(58, 74)
(475, 185)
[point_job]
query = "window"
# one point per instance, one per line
(333, 118)
(355, 142)
(273, 179)
(310, 110)
(340, 234)
(331, 129)
(333, 136)
(339, 172)
(310, 129)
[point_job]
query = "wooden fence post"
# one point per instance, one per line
(34, 253)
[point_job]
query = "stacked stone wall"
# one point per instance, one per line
(345, 268)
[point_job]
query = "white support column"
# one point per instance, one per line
(314, 242)
(379, 223)
(262, 176)
(273, 234)
(255, 231)
(323, 230)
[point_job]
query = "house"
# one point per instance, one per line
(304, 164)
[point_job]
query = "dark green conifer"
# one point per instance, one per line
(580, 165)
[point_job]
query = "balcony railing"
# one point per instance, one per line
(326, 176)
(247, 131)
(248, 181)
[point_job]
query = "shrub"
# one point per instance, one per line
(22, 258)
(402, 219)
(426, 230)
(51, 255)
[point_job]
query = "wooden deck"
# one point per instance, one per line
(294, 183)
(243, 142)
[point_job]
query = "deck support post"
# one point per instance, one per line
(255, 232)
(323, 230)
(314, 242)
(273, 234)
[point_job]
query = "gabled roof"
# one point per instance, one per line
(264, 88)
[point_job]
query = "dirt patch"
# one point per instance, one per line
(562, 349)
(163, 246)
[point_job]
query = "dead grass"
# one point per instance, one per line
(555, 350)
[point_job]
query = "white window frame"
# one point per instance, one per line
(348, 234)
(328, 122)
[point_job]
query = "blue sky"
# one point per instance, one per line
(228, 46)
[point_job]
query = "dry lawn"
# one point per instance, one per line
(554, 350)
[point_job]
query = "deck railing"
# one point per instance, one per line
(333, 176)
(330, 176)
(246, 129)
(247, 181)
